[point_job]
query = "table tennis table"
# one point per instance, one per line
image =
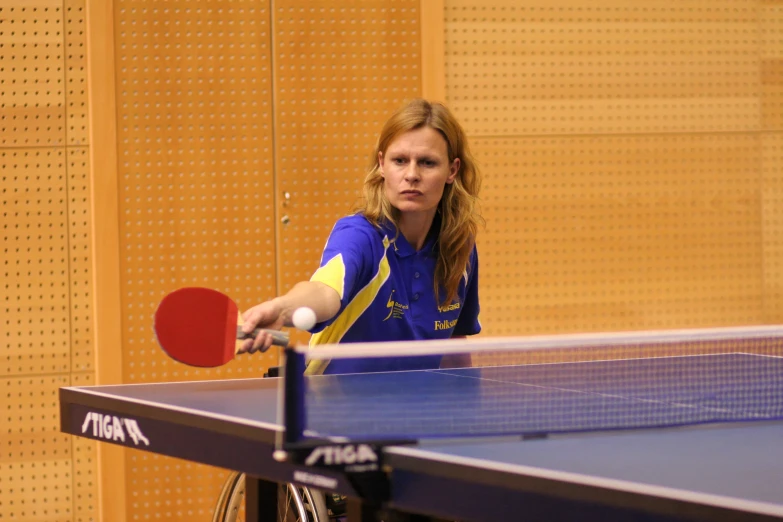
(709, 470)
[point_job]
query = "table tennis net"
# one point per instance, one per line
(544, 385)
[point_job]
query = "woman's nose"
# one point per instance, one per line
(412, 172)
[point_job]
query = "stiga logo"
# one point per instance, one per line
(351, 457)
(113, 428)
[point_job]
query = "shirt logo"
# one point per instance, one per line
(113, 428)
(396, 309)
(445, 325)
(449, 308)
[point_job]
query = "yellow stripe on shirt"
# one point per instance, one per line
(332, 274)
(335, 331)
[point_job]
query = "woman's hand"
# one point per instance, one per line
(269, 315)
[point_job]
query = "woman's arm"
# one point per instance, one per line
(276, 313)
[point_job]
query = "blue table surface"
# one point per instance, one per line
(737, 460)
(548, 398)
(245, 400)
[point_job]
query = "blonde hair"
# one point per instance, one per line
(458, 209)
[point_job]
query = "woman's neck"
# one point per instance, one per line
(415, 227)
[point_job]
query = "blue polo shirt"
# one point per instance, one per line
(386, 294)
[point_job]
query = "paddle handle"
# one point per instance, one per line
(278, 338)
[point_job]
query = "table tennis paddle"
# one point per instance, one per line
(203, 327)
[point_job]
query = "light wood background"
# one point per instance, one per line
(632, 154)
(632, 151)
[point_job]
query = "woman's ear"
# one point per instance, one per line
(453, 170)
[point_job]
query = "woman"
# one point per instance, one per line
(405, 266)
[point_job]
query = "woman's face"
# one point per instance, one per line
(416, 169)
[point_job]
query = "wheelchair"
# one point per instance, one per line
(296, 503)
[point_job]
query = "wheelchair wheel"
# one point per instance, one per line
(295, 503)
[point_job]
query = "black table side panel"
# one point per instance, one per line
(161, 432)
(468, 501)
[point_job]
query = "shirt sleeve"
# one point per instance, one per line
(344, 263)
(468, 322)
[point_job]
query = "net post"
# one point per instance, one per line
(293, 396)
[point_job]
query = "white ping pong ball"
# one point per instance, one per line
(280, 455)
(303, 318)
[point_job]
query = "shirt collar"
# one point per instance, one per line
(404, 249)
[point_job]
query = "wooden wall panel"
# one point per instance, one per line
(82, 350)
(47, 337)
(568, 67)
(772, 215)
(107, 490)
(195, 166)
(196, 199)
(35, 458)
(76, 110)
(32, 96)
(35, 261)
(622, 149)
(771, 22)
(771, 45)
(604, 233)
